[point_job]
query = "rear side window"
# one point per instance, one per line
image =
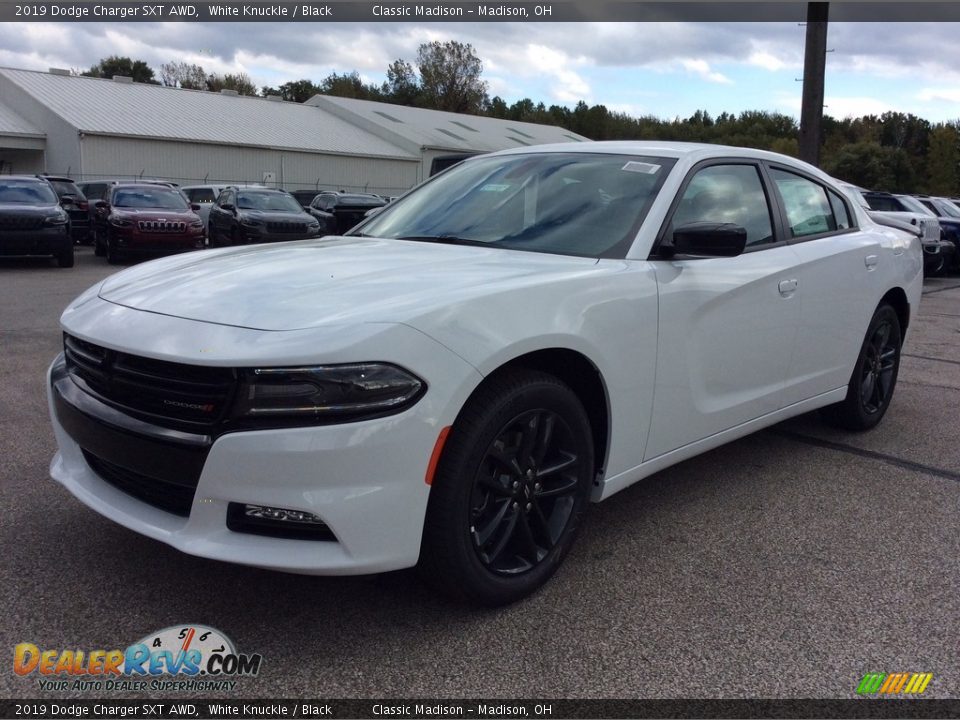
(809, 211)
(201, 195)
(840, 212)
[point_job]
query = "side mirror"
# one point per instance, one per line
(710, 239)
(67, 200)
(195, 207)
(100, 204)
(228, 206)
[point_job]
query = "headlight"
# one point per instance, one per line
(326, 391)
(313, 224)
(58, 219)
(249, 222)
(119, 221)
(196, 224)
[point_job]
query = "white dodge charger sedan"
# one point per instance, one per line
(450, 384)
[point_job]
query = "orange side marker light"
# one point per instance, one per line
(435, 456)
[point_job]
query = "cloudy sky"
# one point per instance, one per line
(663, 69)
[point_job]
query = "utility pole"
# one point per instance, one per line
(814, 67)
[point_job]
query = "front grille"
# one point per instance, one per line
(170, 394)
(173, 498)
(157, 226)
(20, 222)
(286, 227)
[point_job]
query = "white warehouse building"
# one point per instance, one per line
(93, 128)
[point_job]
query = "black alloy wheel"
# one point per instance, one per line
(524, 492)
(510, 490)
(874, 376)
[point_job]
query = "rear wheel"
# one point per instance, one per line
(510, 490)
(874, 376)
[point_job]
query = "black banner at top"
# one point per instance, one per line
(403, 709)
(547, 11)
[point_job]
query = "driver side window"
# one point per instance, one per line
(727, 194)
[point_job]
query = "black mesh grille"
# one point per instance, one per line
(173, 498)
(21, 222)
(170, 394)
(286, 227)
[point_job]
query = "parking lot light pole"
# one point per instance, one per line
(814, 68)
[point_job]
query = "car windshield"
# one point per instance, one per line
(25, 192)
(583, 204)
(273, 202)
(143, 197)
(915, 205)
(67, 188)
(947, 207)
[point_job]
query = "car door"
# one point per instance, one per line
(838, 282)
(727, 325)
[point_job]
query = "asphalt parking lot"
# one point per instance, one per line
(785, 565)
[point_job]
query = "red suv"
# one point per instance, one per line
(139, 218)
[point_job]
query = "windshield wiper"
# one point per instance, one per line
(444, 240)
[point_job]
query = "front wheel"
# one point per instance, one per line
(65, 257)
(874, 376)
(510, 490)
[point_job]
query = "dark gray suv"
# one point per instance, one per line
(32, 221)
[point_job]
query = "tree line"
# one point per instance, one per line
(895, 151)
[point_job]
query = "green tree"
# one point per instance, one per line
(240, 82)
(402, 86)
(873, 166)
(183, 75)
(349, 85)
(450, 77)
(296, 90)
(942, 159)
(117, 65)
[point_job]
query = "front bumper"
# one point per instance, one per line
(364, 480)
(45, 241)
(156, 243)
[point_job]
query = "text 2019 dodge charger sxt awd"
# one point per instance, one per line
(452, 383)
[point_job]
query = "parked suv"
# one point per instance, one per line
(936, 252)
(244, 215)
(338, 212)
(949, 216)
(32, 221)
(75, 203)
(146, 218)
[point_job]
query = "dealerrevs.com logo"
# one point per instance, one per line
(185, 658)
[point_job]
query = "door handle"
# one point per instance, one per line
(871, 261)
(787, 287)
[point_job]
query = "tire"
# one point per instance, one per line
(935, 268)
(874, 376)
(98, 248)
(213, 239)
(234, 236)
(510, 490)
(113, 255)
(65, 258)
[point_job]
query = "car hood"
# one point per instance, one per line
(334, 280)
(154, 214)
(275, 216)
(23, 209)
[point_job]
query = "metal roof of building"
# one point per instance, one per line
(107, 107)
(422, 128)
(13, 124)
